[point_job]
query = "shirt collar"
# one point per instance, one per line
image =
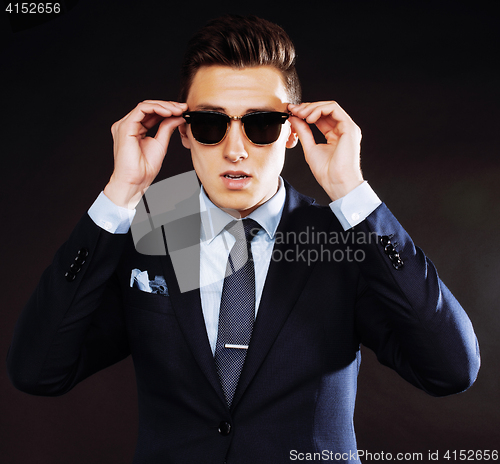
(268, 215)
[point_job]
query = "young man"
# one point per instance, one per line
(259, 364)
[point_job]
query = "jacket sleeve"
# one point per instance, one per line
(407, 315)
(72, 325)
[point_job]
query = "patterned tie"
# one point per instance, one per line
(237, 307)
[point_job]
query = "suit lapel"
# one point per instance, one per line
(183, 237)
(189, 313)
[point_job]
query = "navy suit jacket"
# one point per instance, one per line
(298, 385)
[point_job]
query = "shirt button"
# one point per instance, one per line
(224, 428)
(355, 216)
(106, 225)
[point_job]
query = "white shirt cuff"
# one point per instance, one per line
(356, 206)
(112, 218)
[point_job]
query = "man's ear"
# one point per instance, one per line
(184, 137)
(293, 138)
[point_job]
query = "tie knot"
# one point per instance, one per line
(245, 229)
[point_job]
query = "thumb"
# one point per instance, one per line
(166, 129)
(304, 132)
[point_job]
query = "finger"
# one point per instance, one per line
(304, 132)
(304, 109)
(341, 129)
(147, 114)
(166, 104)
(166, 129)
(175, 107)
(148, 108)
(165, 109)
(150, 121)
(183, 106)
(313, 111)
(329, 117)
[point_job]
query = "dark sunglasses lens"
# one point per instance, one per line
(208, 128)
(263, 128)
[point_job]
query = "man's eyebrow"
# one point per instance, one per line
(221, 109)
(262, 108)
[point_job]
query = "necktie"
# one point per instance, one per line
(237, 307)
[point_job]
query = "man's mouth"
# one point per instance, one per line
(236, 180)
(235, 176)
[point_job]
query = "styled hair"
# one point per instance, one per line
(241, 42)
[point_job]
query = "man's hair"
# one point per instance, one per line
(241, 42)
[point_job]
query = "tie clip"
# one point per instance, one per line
(240, 347)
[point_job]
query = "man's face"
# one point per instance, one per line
(237, 92)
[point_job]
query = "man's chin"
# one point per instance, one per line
(237, 210)
(233, 203)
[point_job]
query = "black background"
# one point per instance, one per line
(419, 78)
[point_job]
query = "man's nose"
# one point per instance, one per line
(234, 146)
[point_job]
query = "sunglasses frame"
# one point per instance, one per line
(228, 118)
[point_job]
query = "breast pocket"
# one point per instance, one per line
(144, 301)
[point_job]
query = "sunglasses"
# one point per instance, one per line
(210, 127)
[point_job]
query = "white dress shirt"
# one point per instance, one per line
(216, 243)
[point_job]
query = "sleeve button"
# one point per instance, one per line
(74, 268)
(83, 252)
(384, 240)
(398, 264)
(81, 255)
(389, 249)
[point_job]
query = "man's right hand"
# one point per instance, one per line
(138, 158)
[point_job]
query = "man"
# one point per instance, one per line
(258, 364)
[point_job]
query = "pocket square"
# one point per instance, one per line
(140, 280)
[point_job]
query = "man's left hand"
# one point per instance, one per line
(336, 163)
